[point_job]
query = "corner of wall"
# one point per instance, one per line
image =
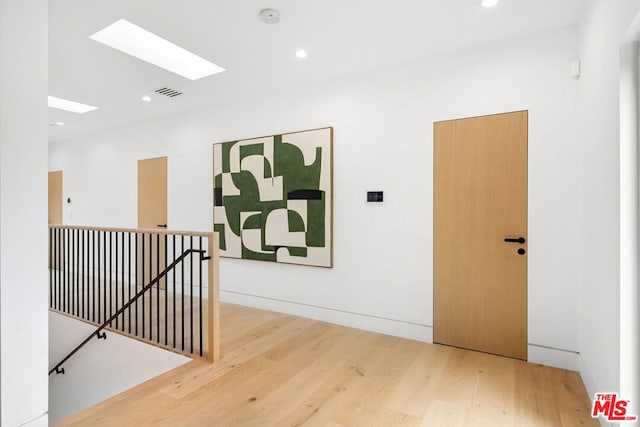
(557, 358)
(590, 385)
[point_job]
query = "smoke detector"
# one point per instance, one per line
(269, 16)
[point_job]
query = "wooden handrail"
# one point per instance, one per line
(135, 230)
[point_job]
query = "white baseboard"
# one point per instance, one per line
(366, 322)
(557, 358)
(590, 385)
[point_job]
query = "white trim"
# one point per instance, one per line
(366, 322)
(590, 385)
(557, 358)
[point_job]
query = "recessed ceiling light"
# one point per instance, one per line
(301, 54)
(59, 123)
(146, 98)
(489, 3)
(65, 104)
(126, 37)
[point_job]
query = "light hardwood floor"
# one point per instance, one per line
(280, 370)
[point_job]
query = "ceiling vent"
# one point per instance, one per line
(168, 92)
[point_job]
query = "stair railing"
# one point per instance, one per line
(97, 333)
(94, 273)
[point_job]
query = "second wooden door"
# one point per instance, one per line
(152, 214)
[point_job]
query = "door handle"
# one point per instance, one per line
(162, 226)
(520, 240)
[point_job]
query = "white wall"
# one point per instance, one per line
(382, 279)
(102, 368)
(601, 33)
(23, 212)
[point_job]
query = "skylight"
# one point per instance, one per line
(126, 37)
(65, 104)
(489, 3)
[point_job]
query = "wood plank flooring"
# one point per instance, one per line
(280, 370)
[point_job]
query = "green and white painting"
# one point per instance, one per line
(273, 198)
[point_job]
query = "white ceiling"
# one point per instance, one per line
(341, 36)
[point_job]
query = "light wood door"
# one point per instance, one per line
(55, 197)
(55, 214)
(152, 214)
(152, 192)
(480, 199)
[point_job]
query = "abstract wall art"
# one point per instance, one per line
(273, 197)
